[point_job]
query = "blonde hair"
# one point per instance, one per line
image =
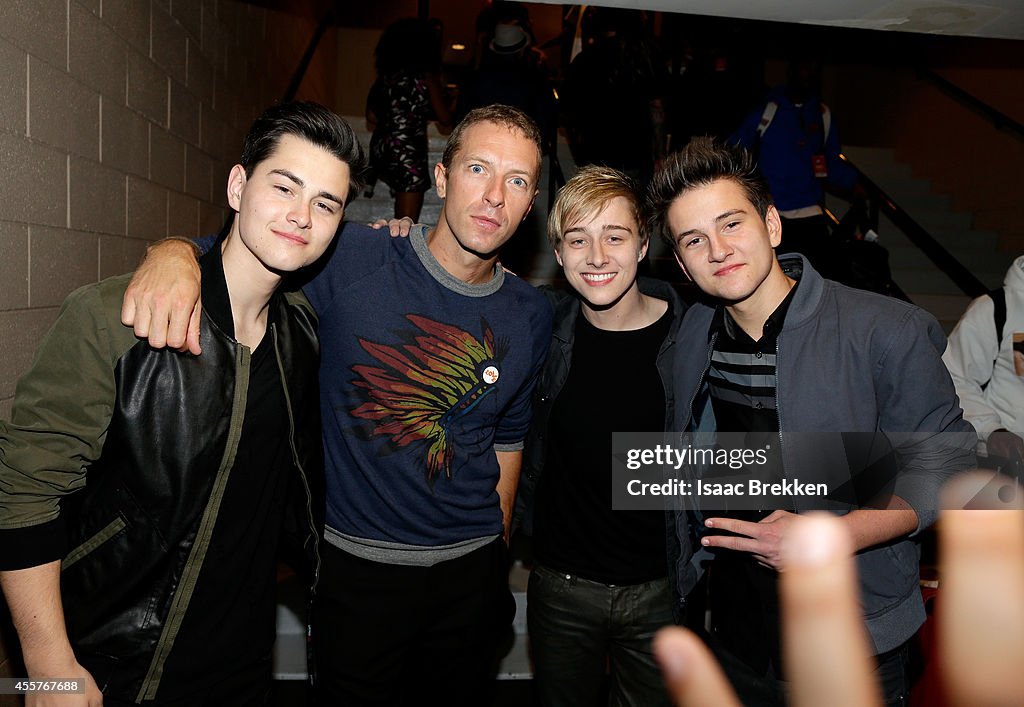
(586, 194)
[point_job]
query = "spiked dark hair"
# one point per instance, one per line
(700, 163)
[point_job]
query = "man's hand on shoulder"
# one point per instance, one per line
(397, 227)
(162, 301)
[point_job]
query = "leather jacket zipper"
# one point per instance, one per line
(298, 464)
(194, 564)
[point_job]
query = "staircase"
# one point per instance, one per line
(364, 209)
(924, 283)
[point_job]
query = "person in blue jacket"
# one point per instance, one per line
(796, 143)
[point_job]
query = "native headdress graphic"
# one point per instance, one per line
(424, 386)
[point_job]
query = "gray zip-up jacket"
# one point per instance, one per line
(854, 362)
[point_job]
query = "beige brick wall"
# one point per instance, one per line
(119, 122)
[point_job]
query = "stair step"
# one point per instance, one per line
(943, 307)
(912, 270)
(925, 281)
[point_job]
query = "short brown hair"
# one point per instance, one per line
(589, 191)
(506, 116)
(702, 162)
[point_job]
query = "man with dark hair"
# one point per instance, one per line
(781, 353)
(429, 354)
(143, 493)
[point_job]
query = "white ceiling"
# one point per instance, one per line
(992, 18)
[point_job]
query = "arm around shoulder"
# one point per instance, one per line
(162, 302)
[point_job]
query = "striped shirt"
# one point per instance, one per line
(742, 385)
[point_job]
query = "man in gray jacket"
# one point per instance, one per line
(814, 373)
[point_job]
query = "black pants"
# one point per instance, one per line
(580, 628)
(754, 688)
(398, 635)
(243, 690)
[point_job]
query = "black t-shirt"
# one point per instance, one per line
(229, 627)
(613, 386)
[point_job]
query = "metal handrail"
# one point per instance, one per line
(300, 71)
(880, 201)
(1000, 120)
(846, 229)
(925, 242)
(556, 178)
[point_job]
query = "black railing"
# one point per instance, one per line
(881, 202)
(300, 71)
(1000, 120)
(556, 178)
(862, 257)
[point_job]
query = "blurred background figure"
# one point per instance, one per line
(503, 12)
(794, 138)
(613, 94)
(985, 357)
(406, 96)
(509, 74)
(712, 88)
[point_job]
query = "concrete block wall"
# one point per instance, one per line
(119, 122)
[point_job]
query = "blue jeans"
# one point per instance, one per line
(579, 628)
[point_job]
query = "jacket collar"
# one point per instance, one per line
(216, 301)
(215, 297)
(808, 297)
